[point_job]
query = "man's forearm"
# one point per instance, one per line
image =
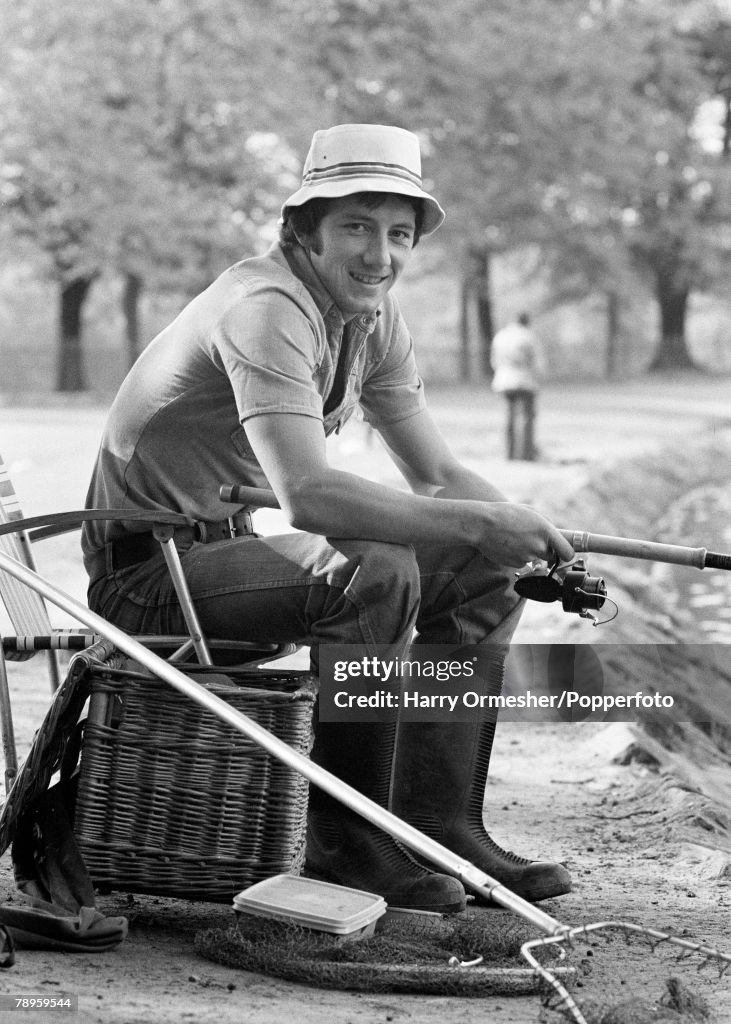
(468, 485)
(339, 504)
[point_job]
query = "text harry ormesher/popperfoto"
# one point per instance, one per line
(471, 699)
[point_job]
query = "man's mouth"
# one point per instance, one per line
(369, 279)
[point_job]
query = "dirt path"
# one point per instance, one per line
(643, 830)
(554, 790)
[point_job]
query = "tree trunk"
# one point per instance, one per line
(131, 309)
(612, 361)
(464, 329)
(672, 352)
(476, 296)
(484, 308)
(70, 375)
(487, 330)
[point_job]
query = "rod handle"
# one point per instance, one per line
(256, 497)
(627, 547)
(714, 560)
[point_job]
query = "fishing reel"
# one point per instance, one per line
(578, 591)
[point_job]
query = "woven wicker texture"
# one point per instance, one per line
(54, 740)
(172, 801)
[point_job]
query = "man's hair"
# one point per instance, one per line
(303, 221)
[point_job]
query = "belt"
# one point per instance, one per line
(138, 547)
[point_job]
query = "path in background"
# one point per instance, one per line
(50, 445)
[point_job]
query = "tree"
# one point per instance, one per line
(57, 172)
(528, 137)
(572, 131)
(678, 201)
(134, 143)
(476, 312)
(138, 138)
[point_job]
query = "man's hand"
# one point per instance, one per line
(516, 534)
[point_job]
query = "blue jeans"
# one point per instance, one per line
(312, 590)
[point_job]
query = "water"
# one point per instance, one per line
(702, 518)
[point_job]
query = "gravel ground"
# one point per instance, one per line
(641, 822)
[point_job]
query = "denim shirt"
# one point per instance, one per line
(265, 337)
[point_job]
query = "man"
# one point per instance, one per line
(244, 386)
(517, 360)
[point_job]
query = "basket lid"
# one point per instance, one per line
(311, 903)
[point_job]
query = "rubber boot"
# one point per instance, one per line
(343, 847)
(440, 773)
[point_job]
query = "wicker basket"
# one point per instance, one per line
(172, 801)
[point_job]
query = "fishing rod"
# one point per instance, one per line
(553, 932)
(571, 583)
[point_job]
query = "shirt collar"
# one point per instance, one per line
(299, 263)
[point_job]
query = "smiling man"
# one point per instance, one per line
(360, 248)
(244, 387)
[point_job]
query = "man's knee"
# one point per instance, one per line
(386, 573)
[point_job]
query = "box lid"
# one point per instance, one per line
(311, 903)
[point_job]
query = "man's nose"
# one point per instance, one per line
(378, 252)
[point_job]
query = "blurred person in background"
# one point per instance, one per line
(244, 387)
(518, 364)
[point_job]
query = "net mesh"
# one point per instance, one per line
(610, 977)
(461, 955)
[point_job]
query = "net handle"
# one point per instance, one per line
(468, 873)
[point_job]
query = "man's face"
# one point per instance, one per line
(359, 252)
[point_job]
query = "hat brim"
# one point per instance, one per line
(433, 213)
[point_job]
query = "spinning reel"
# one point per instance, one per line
(577, 590)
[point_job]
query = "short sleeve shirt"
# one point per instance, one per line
(264, 338)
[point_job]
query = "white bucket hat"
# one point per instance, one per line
(353, 158)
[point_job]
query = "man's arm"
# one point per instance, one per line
(418, 448)
(447, 505)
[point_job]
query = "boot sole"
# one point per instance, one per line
(531, 893)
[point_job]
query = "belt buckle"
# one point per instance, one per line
(232, 530)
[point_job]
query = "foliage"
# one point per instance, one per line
(136, 138)
(568, 128)
(156, 139)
